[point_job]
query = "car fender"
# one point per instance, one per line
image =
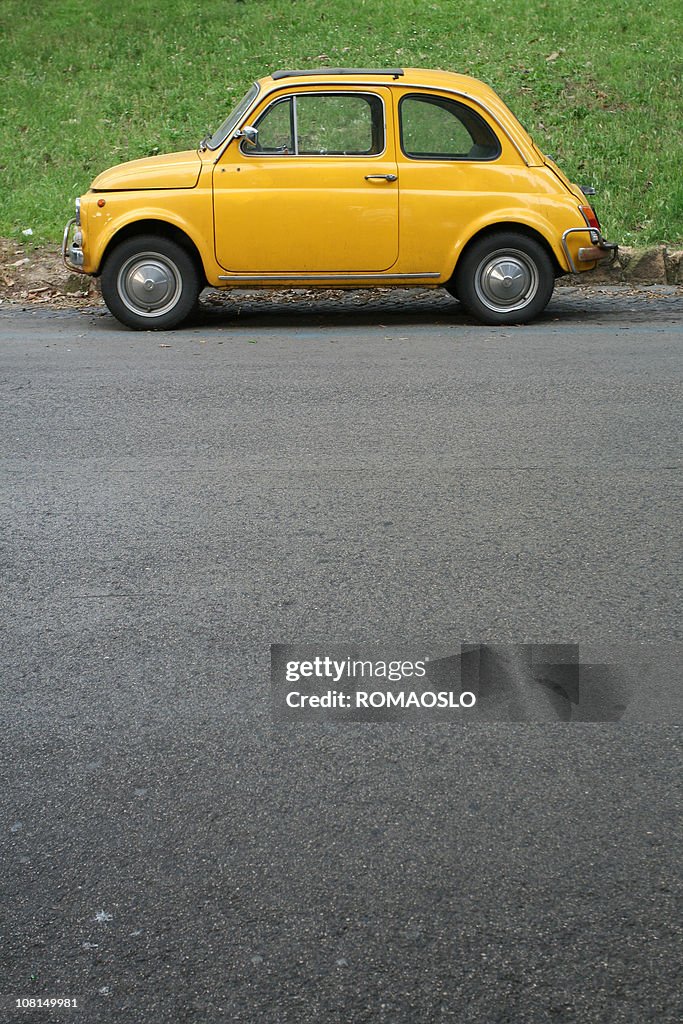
(508, 220)
(119, 214)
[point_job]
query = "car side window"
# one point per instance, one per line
(321, 124)
(339, 124)
(438, 128)
(275, 130)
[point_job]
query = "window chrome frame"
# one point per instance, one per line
(295, 125)
(443, 157)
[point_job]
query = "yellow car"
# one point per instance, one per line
(342, 178)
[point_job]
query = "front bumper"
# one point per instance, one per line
(72, 248)
(599, 249)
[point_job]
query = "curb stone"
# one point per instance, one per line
(656, 265)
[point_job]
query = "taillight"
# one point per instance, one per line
(590, 217)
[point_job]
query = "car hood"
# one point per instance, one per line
(173, 170)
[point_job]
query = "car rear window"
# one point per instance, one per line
(439, 128)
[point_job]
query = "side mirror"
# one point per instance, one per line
(249, 134)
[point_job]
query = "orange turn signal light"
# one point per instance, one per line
(590, 216)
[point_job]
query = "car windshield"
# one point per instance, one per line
(232, 120)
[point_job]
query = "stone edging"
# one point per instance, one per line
(658, 265)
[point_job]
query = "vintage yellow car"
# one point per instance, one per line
(342, 178)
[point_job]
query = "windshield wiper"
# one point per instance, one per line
(203, 143)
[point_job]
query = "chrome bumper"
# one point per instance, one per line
(72, 253)
(598, 250)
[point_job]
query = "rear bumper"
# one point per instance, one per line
(591, 253)
(599, 249)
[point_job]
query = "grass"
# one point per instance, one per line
(86, 83)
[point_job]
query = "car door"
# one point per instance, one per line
(318, 193)
(455, 170)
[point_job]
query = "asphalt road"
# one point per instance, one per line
(378, 471)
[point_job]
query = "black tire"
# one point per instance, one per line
(150, 283)
(504, 278)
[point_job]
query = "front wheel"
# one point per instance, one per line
(150, 283)
(505, 278)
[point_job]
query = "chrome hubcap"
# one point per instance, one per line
(149, 284)
(506, 280)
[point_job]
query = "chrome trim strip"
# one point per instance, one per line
(571, 230)
(595, 237)
(379, 275)
(295, 124)
(65, 237)
(69, 253)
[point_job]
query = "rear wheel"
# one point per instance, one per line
(506, 278)
(150, 283)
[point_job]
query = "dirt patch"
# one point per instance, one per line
(37, 276)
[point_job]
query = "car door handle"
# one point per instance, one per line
(381, 177)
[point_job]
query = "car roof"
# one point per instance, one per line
(412, 78)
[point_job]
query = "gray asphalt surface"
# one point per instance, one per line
(376, 470)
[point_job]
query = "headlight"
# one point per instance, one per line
(78, 211)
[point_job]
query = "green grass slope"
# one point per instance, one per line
(85, 84)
